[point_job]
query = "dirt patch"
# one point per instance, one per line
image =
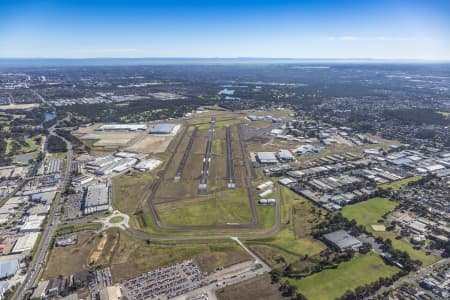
(151, 144)
(110, 138)
(95, 256)
(70, 259)
(252, 289)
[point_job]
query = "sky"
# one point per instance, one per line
(339, 29)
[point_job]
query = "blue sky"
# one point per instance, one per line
(393, 29)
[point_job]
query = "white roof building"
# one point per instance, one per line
(25, 243)
(149, 164)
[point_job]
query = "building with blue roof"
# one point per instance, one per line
(8, 268)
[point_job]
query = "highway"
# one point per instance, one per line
(38, 261)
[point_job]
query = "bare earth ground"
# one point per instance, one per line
(151, 144)
(86, 130)
(129, 257)
(108, 138)
(252, 289)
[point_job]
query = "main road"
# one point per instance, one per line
(38, 260)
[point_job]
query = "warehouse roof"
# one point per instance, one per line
(97, 194)
(342, 239)
(25, 243)
(163, 128)
(8, 268)
(267, 157)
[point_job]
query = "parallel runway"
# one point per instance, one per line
(202, 188)
(230, 168)
(186, 153)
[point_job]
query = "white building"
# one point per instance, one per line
(25, 243)
(146, 165)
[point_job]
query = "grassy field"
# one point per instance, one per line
(129, 257)
(229, 206)
(369, 212)
(116, 219)
(77, 227)
(399, 184)
(333, 283)
(129, 190)
(255, 288)
(294, 239)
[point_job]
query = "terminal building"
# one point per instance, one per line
(96, 199)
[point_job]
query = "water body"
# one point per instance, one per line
(47, 117)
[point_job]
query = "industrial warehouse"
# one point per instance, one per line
(96, 198)
(165, 128)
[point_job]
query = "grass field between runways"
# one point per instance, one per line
(230, 206)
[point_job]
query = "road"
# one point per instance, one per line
(38, 261)
(230, 275)
(414, 276)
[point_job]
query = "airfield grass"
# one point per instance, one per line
(229, 206)
(128, 256)
(220, 124)
(129, 190)
(369, 212)
(65, 229)
(294, 239)
(399, 184)
(333, 283)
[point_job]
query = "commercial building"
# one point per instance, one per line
(96, 198)
(265, 193)
(267, 201)
(39, 210)
(265, 185)
(342, 240)
(146, 165)
(285, 155)
(128, 127)
(82, 180)
(32, 224)
(165, 128)
(25, 242)
(8, 268)
(266, 157)
(118, 166)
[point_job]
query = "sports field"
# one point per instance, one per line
(332, 283)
